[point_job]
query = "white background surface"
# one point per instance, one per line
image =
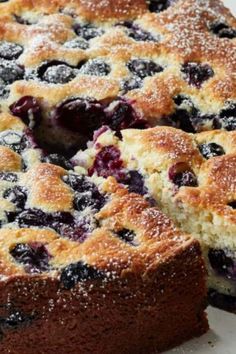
(221, 339)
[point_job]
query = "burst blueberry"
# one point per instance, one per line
(80, 115)
(211, 150)
(34, 256)
(126, 235)
(143, 67)
(223, 262)
(8, 176)
(222, 30)
(28, 109)
(196, 73)
(14, 140)
(77, 43)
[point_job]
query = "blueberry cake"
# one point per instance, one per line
(192, 177)
(69, 67)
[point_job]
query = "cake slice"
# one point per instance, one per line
(87, 267)
(192, 178)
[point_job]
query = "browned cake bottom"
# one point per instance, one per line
(128, 315)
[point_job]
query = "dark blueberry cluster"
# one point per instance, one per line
(95, 67)
(137, 33)
(16, 195)
(196, 73)
(56, 72)
(223, 30)
(28, 109)
(211, 150)
(108, 163)
(78, 272)
(223, 262)
(182, 176)
(190, 119)
(143, 68)
(34, 257)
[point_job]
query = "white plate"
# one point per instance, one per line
(221, 339)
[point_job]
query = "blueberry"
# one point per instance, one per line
(9, 50)
(58, 160)
(196, 73)
(62, 217)
(15, 141)
(80, 115)
(232, 204)
(56, 72)
(34, 257)
(32, 217)
(108, 163)
(126, 235)
(16, 319)
(222, 301)
(182, 176)
(184, 114)
(135, 183)
(78, 272)
(4, 92)
(130, 84)
(143, 67)
(95, 67)
(10, 72)
(87, 31)
(121, 115)
(227, 117)
(76, 232)
(77, 43)
(22, 20)
(223, 30)
(223, 262)
(137, 33)
(159, 5)
(211, 150)
(28, 109)
(8, 176)
(16, 195)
